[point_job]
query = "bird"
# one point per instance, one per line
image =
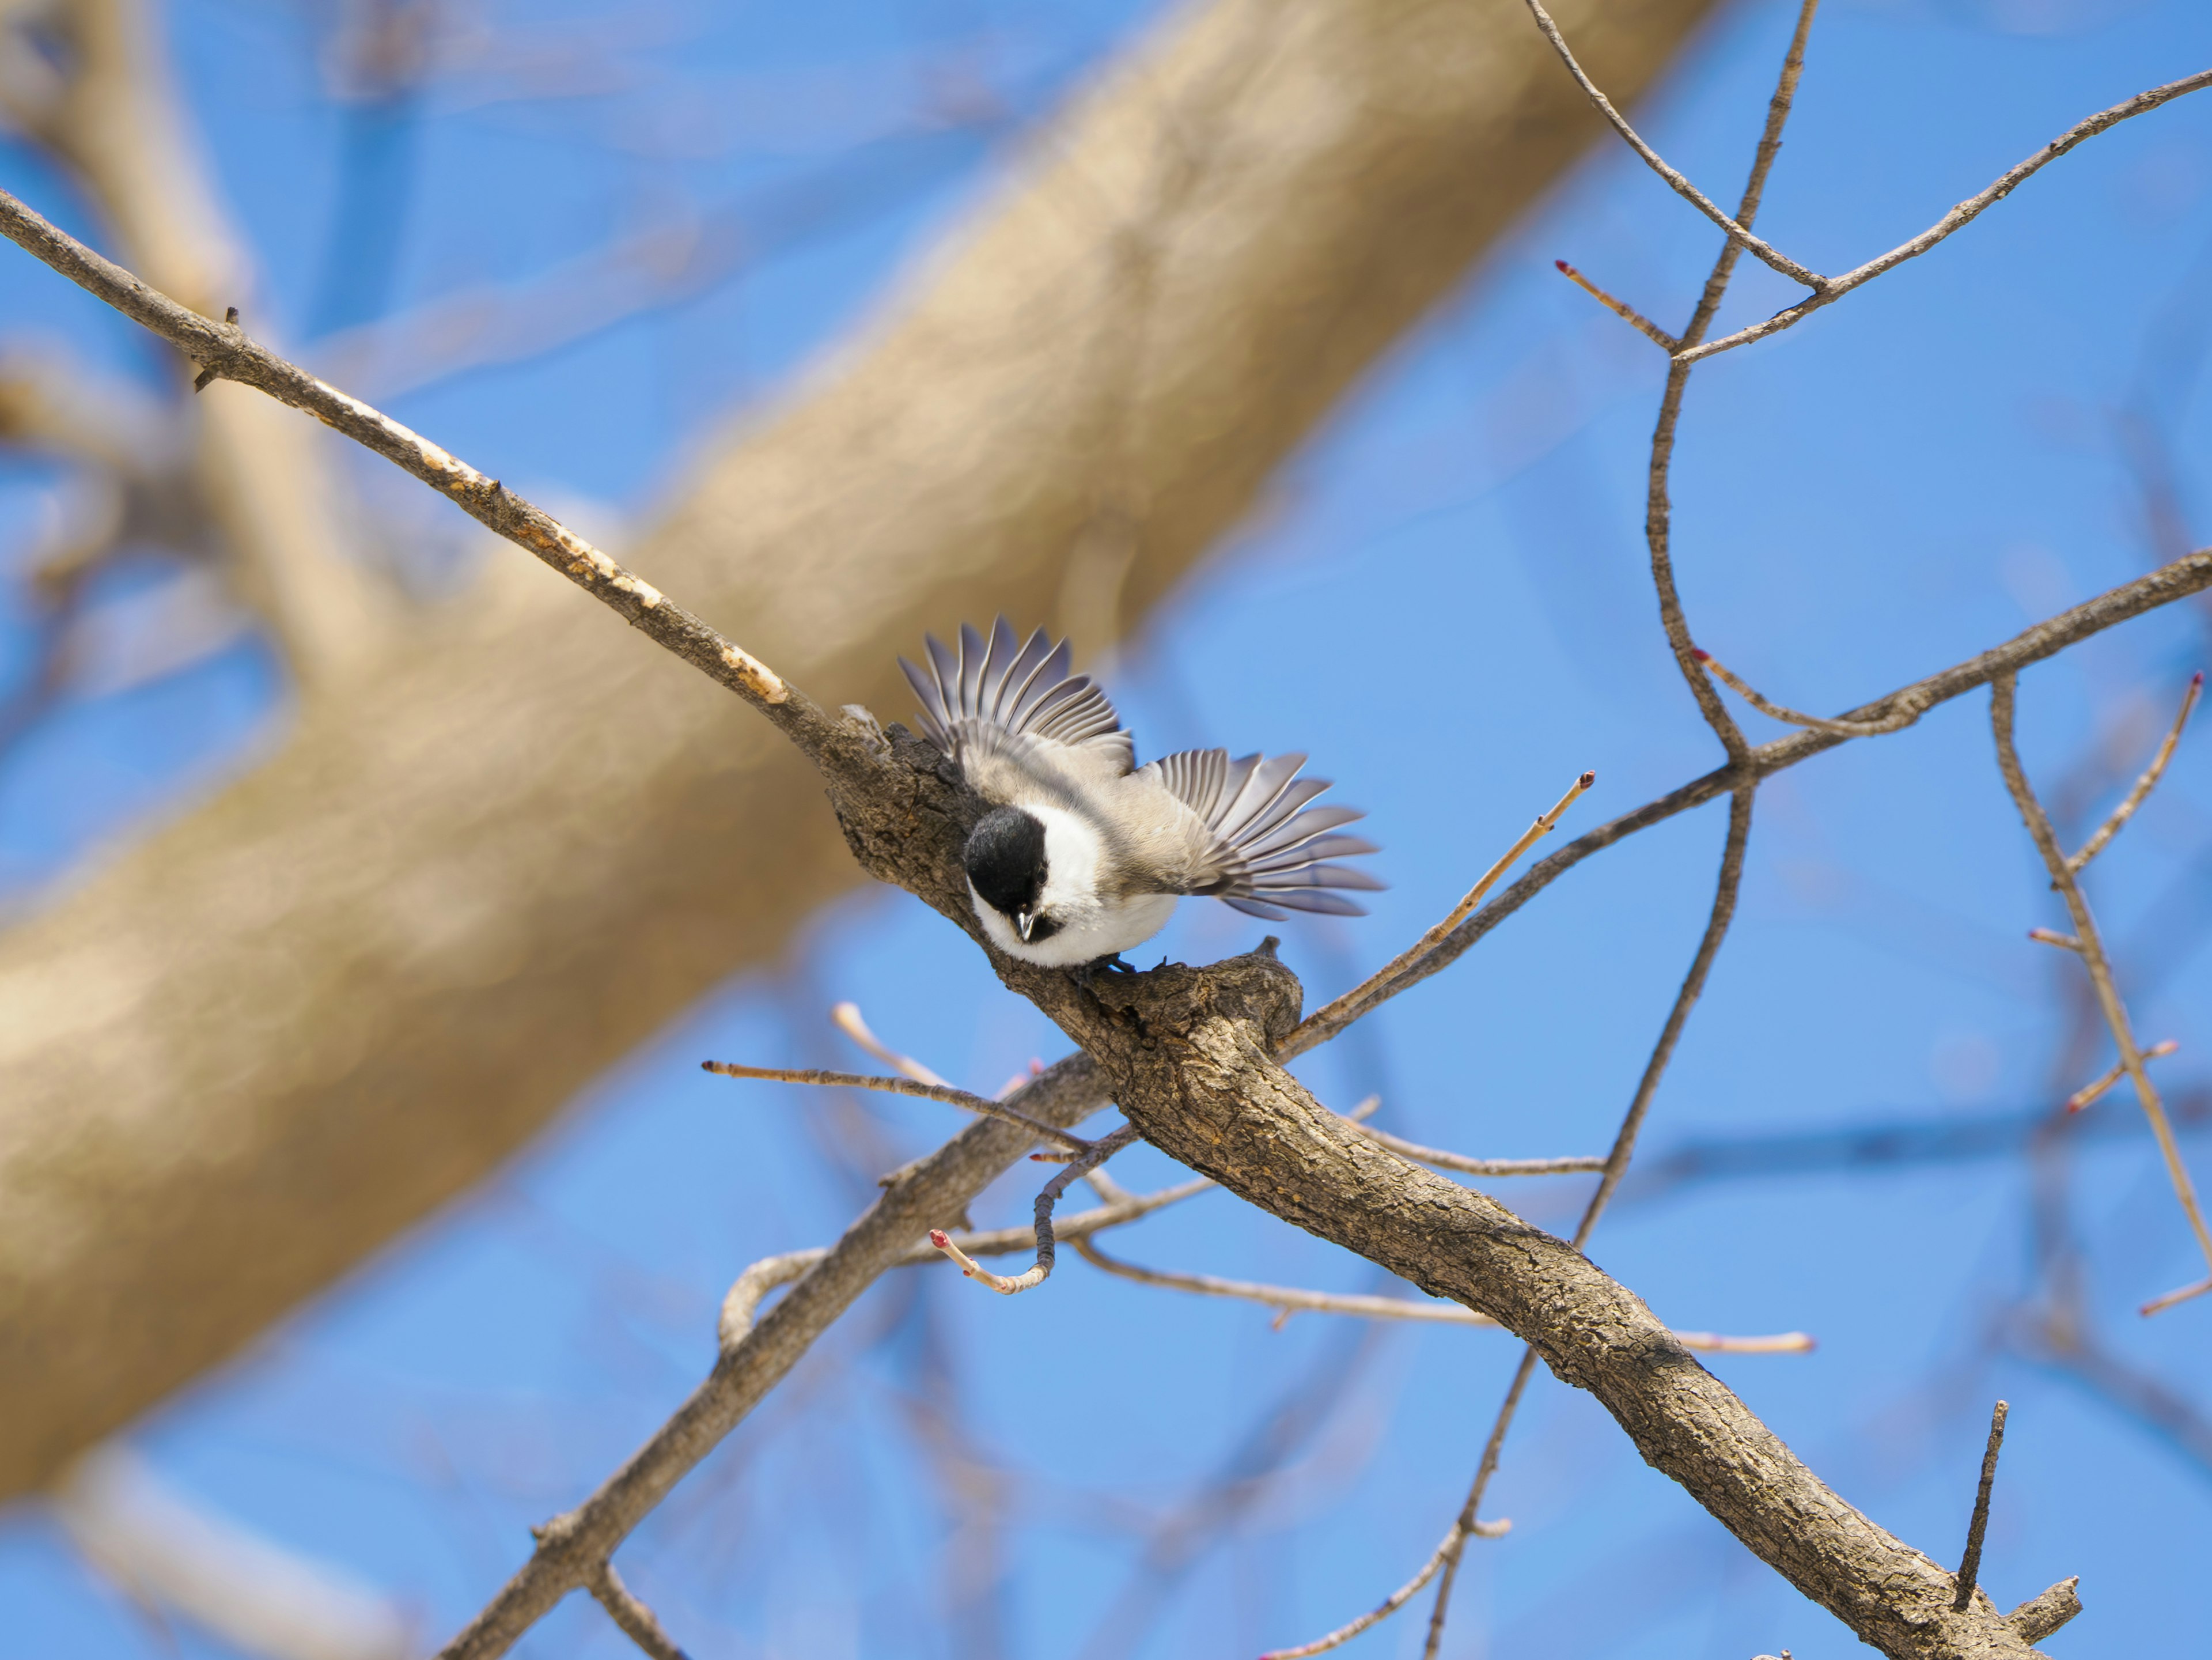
(1083, 854)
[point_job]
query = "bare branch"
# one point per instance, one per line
(639, 1623)
(1117, 1212)
(1291, 1300)
(1038, 1272)
(1970, 1566)
(2143, 785)
(1693, 986)
(1324, 1024)
(1735, 232)
(2089, 1093)
(1461, 1162)
(1903, 718)
(1389, 1605)
(1620, 308)
(845, 1016)
(1762, 163)
(1658, 509)
(1831, 289)
(2091, 949)
(982, 1105)
(223, 349)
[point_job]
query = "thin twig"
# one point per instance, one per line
(2165, 1300)
(2088, 1093)
(225, 349)
(1835, 288)
(845, 1016)
(1658, 509)
(1576, 1166)
(1762, 164)
(1705, 204)
(1325, 1022)
(1293, 1299)
(1970, 1566)
(1390, 1604)
(638, 1621)
(1038, 1272)
(2052, 937)
(982, 1105)
(2144, 785)
(1290, 1299)
(2002, 698)
(1897, 722)
(1627, 313)
(1693, 985)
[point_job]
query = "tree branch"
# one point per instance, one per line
(1833, 289)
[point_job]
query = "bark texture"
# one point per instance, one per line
(238, 1057)
(1191, 1058)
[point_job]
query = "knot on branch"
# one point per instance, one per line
(215, 366)
(1173, 1002)
(2042, 1614)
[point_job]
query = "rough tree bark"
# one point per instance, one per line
(246, 1053)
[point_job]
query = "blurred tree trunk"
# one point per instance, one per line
(244, 1053)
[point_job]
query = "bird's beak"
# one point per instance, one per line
(1024, 920)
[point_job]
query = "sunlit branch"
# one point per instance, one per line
(982, 1105)
(1705, 204)
(1833, 289)
(1620, 308)
(1580, 1164)
(1325, 1022)
(1898, 721)
(845, 1016)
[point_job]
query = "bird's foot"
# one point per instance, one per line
(1111, 964)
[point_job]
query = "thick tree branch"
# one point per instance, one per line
(1189, 1053)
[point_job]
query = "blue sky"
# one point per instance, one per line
(1912, 475)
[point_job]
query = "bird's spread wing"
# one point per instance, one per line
(1269, 849)
(1002, 694)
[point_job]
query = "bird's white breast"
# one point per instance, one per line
(1091, 924)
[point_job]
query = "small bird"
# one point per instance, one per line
(1084, 853)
